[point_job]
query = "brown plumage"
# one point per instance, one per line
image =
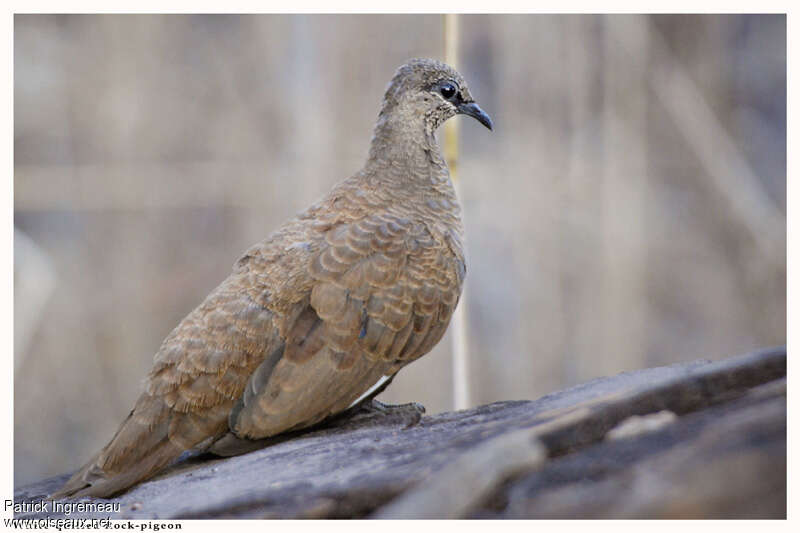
(347, 292)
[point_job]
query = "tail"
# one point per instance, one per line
(140, 448)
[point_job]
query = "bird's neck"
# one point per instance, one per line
(407, 170)
(408, 145)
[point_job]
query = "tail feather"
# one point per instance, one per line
(91, 481)
(137, 451)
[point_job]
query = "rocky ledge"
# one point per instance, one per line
(693, 440)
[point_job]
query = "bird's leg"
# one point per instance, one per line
(369, 407)
(410, 412)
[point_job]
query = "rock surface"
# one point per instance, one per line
(693, 440)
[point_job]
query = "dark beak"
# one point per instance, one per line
(475, 112)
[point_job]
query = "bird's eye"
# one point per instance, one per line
(448, 90)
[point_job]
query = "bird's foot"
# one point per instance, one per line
(410, 413)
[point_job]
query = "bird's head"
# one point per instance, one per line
(432, 91)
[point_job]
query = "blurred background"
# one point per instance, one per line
(628, 210)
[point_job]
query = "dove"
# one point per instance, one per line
(322, 314)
